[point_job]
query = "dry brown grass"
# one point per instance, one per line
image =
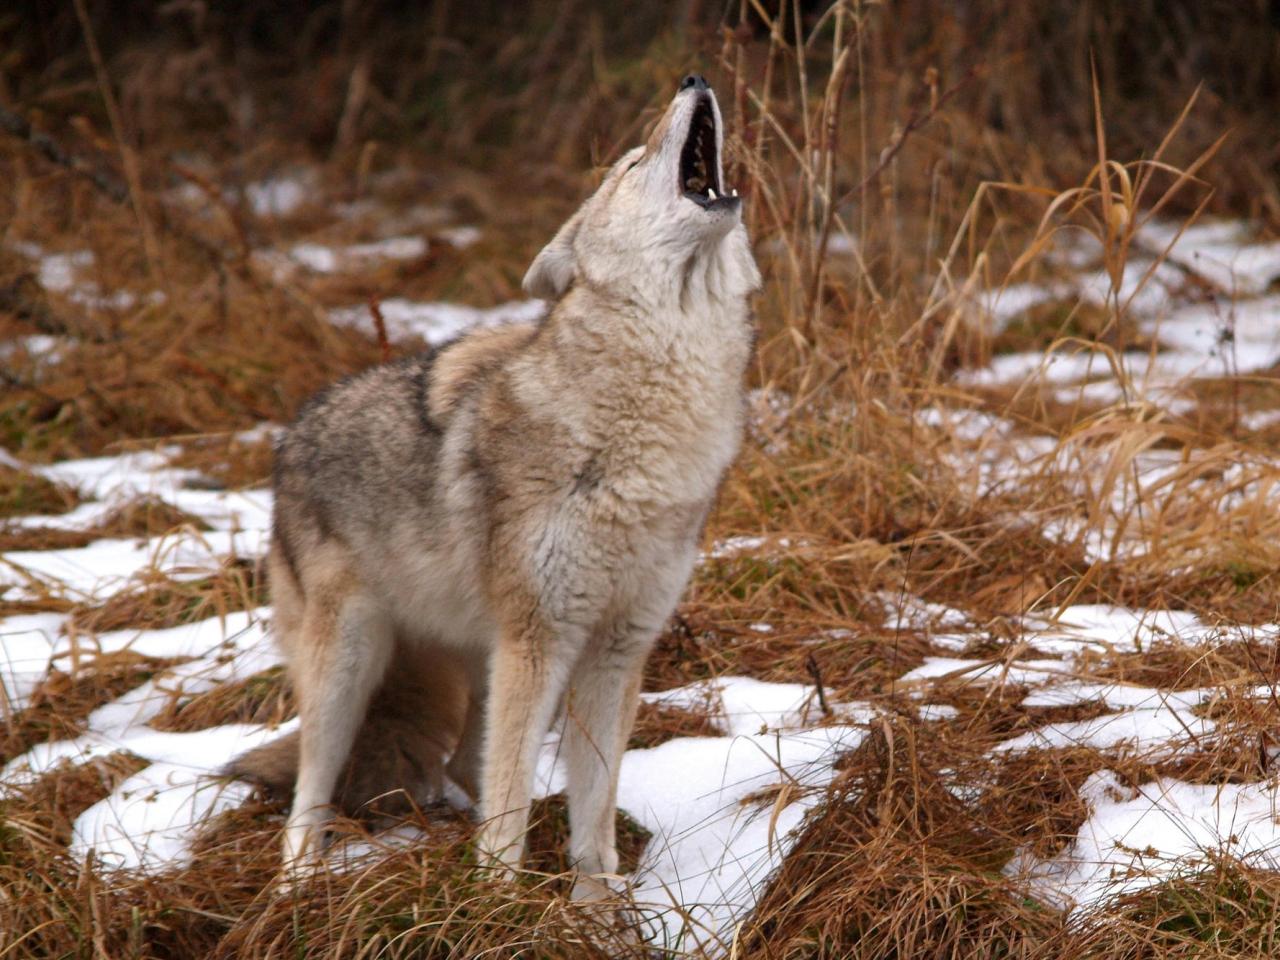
(424, 901)
(63, 701)
(264, 698)
(227, 460)
(1172, 665)
(23, 492)
(1229, 910)
(140, 518)
(657, 724)
(154, 600)
(865, 126)
(895, 866)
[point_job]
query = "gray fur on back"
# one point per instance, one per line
(360, 455)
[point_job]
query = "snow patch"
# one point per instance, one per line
(1135, 837)
(320, 258)
(438, 323)
(281, 195)
(711, 853)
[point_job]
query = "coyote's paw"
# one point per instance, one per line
(605, 897)
(294, 878)
(301, 851)
(500, 845)
(303, 839)
(597, 887)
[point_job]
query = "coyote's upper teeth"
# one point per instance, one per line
(711, 193)
(733, 192)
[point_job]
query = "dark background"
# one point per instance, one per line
(563, 79)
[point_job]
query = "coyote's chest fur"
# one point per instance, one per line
(653, 420)
(584, 469)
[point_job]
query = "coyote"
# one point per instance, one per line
(474, 541)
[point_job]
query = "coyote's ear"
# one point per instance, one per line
(556, 266)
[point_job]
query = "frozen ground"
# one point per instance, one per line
(715, 842)
(1212, 314)
(1208, 313)
(711, 852)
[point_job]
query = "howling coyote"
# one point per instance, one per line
(471, 543)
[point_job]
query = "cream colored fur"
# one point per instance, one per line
(537, 522)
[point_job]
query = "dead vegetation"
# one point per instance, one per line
(894, 160)
(227, 461)
(895, 866)
(1228, 910)
(263, 698)
(59, 706)
(141, 518)
(23, 492)
(155, 600)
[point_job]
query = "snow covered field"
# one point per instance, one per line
(714, 845)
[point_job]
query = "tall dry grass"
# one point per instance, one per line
(896, 159)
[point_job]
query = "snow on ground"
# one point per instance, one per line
(39, 349)
(722, 810)
(906, 612)
(69, 274)
(973, 671)
(741, 706)
(436, 323)
(1134, 836)
(240, 521)
(27, 643)
(1125, 495)
(147, 820)
(712, 851)
(713, 805)
(1231, 332)
(282, 194)
(325, 259)
(1137, 836)
(1158, 732)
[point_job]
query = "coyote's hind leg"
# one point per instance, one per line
(341, 656)
(466, 765)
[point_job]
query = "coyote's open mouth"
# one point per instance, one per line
(700, 161)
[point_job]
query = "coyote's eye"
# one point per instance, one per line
(631, 166)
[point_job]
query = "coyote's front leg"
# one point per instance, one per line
(604, 692)
(527, 675)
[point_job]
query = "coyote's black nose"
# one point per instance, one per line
(695, 80)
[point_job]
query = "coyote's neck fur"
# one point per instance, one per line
(650, 381)
(691, 321)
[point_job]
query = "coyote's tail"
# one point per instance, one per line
(412, 725)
